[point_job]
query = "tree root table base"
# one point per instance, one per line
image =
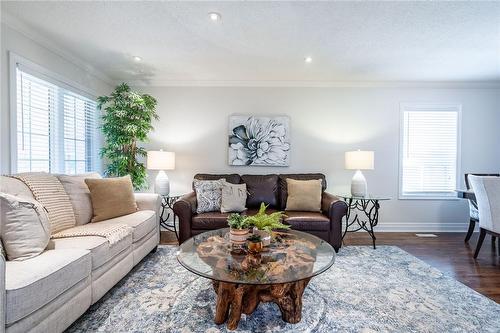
(235, 299)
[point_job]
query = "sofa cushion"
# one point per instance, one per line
(217, 220)
(230, 178)
(32, 283)
(309, 221)
(142, 223)
(14, 186)
(283, 193)
(79, 195)
(209, 221)
(99, 247)
(261, 188)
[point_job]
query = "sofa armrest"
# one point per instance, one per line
(184, 209)
(335, 209)
(3, 304)
(148, 201)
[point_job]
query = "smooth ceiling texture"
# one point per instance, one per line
(267, 41)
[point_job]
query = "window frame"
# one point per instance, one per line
(42, 73)
(429, 107)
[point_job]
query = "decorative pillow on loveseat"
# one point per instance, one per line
(25, 229)
(208, 195)
(234, 197)
(111, 197)
(304, 195)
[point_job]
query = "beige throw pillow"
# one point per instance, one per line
(79, 195)
(234, 197)
(25, 229)
(111, 197)
(304, 195)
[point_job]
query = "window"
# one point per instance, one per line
(429, 150)
(56, 127)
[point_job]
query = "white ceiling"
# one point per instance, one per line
(266, 42)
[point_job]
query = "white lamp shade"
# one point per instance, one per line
(359, 160)
(161, 160)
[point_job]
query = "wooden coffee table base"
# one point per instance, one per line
(235, 299)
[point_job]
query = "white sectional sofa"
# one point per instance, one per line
(49, 292)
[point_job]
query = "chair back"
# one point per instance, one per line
(487, 191)
(467, 184)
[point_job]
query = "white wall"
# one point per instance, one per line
(12, 40)
(326, 122)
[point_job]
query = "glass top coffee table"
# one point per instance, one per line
(241, 281)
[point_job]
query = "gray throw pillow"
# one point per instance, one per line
(234, 197)
(208, 195)
(25, 229)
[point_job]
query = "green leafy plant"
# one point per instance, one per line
(267, 222)
(254, 238)
(126, 120)
(236, 221)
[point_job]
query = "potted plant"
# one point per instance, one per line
(254, 243)
(239, 228)
(126, 122)
(264, 223)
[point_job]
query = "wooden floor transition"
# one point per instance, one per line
(447, 252)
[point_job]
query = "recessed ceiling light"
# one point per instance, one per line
(214, 16)
(137, 58)
(308, 60)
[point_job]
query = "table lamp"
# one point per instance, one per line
(161, 160)
(359, 160)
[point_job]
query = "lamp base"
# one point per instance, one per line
(358, 185)
(162, 184)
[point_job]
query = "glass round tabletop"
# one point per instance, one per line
(292, 256)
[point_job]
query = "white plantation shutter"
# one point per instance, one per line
(56, 127)
(429, 150)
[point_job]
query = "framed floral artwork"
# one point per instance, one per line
(259, 141)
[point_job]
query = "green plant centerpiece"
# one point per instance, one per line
(239, 228)
(126, 121)
(264, 223)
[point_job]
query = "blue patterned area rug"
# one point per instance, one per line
(366, 290)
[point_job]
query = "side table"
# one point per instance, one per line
(167, 204)
(362, 212)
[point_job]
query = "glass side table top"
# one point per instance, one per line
(292, 256)
(367, 197)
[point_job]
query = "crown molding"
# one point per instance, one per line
(320, 84)
(20, 26)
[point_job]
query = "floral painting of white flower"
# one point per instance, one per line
(261, 141)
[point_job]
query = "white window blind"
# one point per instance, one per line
(56, 127)
(429, 150)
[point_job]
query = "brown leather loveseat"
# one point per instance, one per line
(272, 190)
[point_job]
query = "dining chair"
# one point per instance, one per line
(473, 212)
(487, 191)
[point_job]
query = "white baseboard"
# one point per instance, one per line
(421, 227)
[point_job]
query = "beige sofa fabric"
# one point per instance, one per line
(111, 197)
(142, 222)
(31, 284)
(99, 247)
(79, 195)
(24, 227)
(304, 195)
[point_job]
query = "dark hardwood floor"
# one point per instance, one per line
(447, 252)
